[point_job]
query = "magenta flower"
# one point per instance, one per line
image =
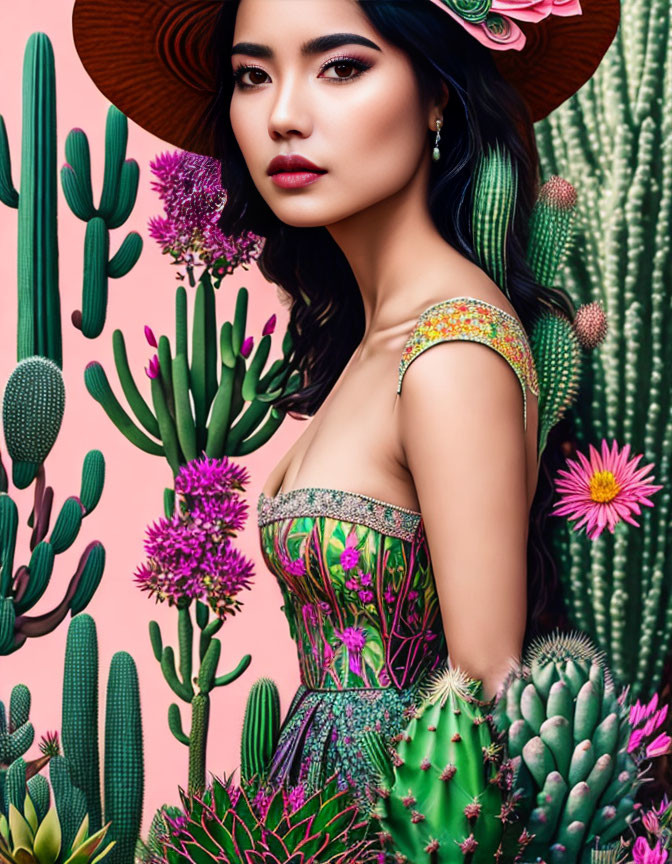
(190, 187)
(153, 370)
(151, 338)
(297, 567)
(604, 490)
(246, 347)
(643, 854)
(350, 555)
(269, 326)
(354, 639)
(190, 554)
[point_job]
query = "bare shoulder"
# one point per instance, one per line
(477, 284)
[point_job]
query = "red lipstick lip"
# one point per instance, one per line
(292, 162)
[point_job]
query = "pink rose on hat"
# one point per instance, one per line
(505, 34)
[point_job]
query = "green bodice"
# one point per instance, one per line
(358, 588)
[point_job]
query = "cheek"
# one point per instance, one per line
(383, 136)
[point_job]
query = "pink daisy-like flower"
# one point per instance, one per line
(603, 490)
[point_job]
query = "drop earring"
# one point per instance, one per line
(436, 153)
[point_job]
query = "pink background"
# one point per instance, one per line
(133, 493)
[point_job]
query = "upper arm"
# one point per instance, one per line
(462, 436)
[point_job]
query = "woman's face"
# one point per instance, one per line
(350, 104)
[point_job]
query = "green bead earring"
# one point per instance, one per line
(436, 153)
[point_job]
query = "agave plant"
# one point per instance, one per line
(258, 824)
(25, 840)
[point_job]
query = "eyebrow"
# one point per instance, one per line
(312, 46)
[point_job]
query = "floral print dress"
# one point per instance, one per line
(359, 592)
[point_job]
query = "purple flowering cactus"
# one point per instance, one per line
(190, 554)
(193, 198)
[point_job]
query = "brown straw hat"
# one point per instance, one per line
(153, 60)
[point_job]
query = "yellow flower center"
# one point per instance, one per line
(603, 487)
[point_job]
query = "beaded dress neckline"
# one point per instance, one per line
(390, 519)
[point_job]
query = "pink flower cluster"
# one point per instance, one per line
(190, 554)
(193, 199)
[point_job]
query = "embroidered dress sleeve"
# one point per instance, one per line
(476, 321)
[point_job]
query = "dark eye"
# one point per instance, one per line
(243, 70)
(346, 63)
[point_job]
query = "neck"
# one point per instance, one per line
(396, 253)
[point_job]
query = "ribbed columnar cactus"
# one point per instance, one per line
(182, 432)
(494, 202)
(612, 140)
(120, 189)
(557, 356)
(124, 759)
(567, 733)
(261, 727)
(39, 305)
(20, 590)
(440, 796)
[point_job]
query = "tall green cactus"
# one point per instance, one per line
(120, 189)
(183, 433)
(612, 140)
(124, 759)
(39, 312)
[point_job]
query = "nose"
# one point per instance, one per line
(290, 109)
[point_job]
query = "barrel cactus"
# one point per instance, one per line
(270, 825)
(568, 734)
(442, 795)
(33, 407)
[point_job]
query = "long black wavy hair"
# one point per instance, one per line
(326, 319)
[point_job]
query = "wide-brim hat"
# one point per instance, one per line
(153, 60)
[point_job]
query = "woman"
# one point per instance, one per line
(328, 117)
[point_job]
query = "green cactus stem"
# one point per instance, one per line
(494, 202)
(120, 189)
(219, 423)
(39, 306)
(206, 679)
(79, 781)
(20, 590)
(261, 727)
